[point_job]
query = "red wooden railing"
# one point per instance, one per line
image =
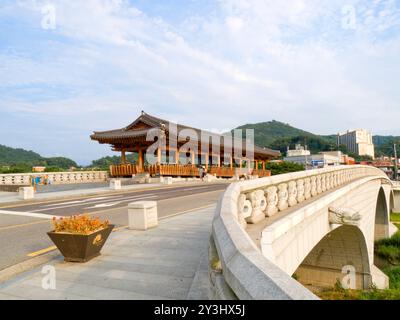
(177, 170)
(124, 170)
(174, 170)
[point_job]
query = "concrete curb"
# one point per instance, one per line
(27, 265)
(200, 286)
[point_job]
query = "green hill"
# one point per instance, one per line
(20, 160)
(268, 132)
(277, 135)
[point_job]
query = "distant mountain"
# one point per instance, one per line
(21, 159)
(278, 135)
(268, 132)
(384, 145)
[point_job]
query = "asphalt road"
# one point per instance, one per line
(21, 236)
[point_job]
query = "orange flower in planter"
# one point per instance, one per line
(79, 224)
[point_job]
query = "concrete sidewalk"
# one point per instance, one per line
(11, 198)
(168, 262)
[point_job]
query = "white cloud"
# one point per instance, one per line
(247, 61)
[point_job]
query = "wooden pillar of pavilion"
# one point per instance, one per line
(193, 158)
(159, 156)
(140, 160)
(177, 157)
(263, 165)
(231, 162)
(123, 157)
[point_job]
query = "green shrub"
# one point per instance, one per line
(390, 253)
(395, 217)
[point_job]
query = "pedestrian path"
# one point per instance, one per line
(167, 262)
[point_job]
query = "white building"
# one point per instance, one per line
(298, 151)
(358, 142)
(302, 156)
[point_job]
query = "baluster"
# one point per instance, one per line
(258, 202)
(283, 197)
(300, 191)
(319, 184)
(314, 190)
(292, 200)
(334, 180)
(323, 183)
(272, 201)
(329, 181)
(244, 210)
(307, 188)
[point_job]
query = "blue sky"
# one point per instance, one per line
(68, 67)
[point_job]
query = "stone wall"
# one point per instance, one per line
(24, 179)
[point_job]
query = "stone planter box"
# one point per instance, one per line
(80, 247)
(26, 193)
(142, 215)
(115, 184)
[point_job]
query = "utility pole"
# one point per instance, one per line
(306, 149)
(396, 169)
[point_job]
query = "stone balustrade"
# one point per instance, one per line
(247, 273)
(275, 194)
(24, 179)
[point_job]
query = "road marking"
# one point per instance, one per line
(106, 205)
(28, 214)
(22, 225)
(120, 228)
(80, 201)
(43, 251)
(75, 205)
(199, 188)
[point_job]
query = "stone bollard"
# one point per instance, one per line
(115, 184)
(142, 215)
(167, 180)
(26, 193)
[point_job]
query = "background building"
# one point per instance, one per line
(358, 142)
(321, 160)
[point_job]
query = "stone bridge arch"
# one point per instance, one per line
(314, 224)
(340, 251)
(382, 215)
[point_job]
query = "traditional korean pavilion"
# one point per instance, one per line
(172, 157)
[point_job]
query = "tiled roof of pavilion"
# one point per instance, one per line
(130, 132)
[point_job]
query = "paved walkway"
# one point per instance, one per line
(168, 262)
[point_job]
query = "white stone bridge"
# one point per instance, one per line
(311, 226)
